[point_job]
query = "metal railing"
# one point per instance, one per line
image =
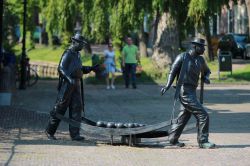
(45, 69)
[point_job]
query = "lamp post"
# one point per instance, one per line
(23, 57)
(1, 31)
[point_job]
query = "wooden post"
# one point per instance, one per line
(202, 87)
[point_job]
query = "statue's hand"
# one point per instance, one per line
(71, 81)
(206, 80)
(163, 90)
(95, 67)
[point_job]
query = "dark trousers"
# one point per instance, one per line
(68, 97)
(130, 70)
(191, 107)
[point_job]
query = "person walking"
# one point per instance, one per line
(69, 88)
(188, 66)
(110, 66)
(130, 59)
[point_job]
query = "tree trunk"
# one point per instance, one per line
(208, 38)
(248, 14)
(142, 43)
(157, 19)
(167, 41)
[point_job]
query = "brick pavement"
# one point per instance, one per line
(22, 141)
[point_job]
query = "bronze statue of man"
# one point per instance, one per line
(187, 68)
(69, 88)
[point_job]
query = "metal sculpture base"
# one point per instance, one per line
(130, 140)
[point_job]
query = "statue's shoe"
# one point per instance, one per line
(50, 136)
(207, 145)
(78, 138)
(177, 143)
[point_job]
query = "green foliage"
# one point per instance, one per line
(32, 9)
(61, 18)
(197, 11)
(87, 7)
(68, 15)
(46, 54)
(119, 19)
(100, 20)
(127, 16)
(158, 5)
(11, 19)
(66, 39)
(52, 16)
(240, 76)
(149, 74)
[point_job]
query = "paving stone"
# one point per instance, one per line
(23, 142)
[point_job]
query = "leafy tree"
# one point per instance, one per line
(87, 11)
(120, 19)
(68, 19)
(126, 17)
(52, 16)
(100, 20)
(61, 18)
(199, 13)
(248, 13)
(166, 46)
(11, 19)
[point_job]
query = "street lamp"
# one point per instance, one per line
(1, 31)
(23, 57)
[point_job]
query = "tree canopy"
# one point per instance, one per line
(101, 20)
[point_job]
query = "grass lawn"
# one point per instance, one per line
(46, 54)
(49, 54)
(241, 75)
(149, 74)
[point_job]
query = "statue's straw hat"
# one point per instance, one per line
(198, 41)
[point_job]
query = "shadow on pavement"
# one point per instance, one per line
(22, 136)
(224, 121)
(27, 127)
(234, 146)
(226, 96)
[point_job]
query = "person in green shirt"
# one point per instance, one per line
(130, 59)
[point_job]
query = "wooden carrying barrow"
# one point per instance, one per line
(130, 136)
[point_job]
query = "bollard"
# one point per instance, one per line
(6, 86)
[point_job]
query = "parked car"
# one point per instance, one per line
(236, 43)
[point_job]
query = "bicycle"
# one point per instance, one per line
(31, 75)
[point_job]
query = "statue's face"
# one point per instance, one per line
(78, 46)
(199, 49)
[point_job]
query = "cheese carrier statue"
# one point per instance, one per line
(70, 88)
(187, 68)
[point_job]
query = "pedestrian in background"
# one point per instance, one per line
(130, 59)
(109, 62)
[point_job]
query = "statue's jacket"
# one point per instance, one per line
(70, 67)
(195, 65)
